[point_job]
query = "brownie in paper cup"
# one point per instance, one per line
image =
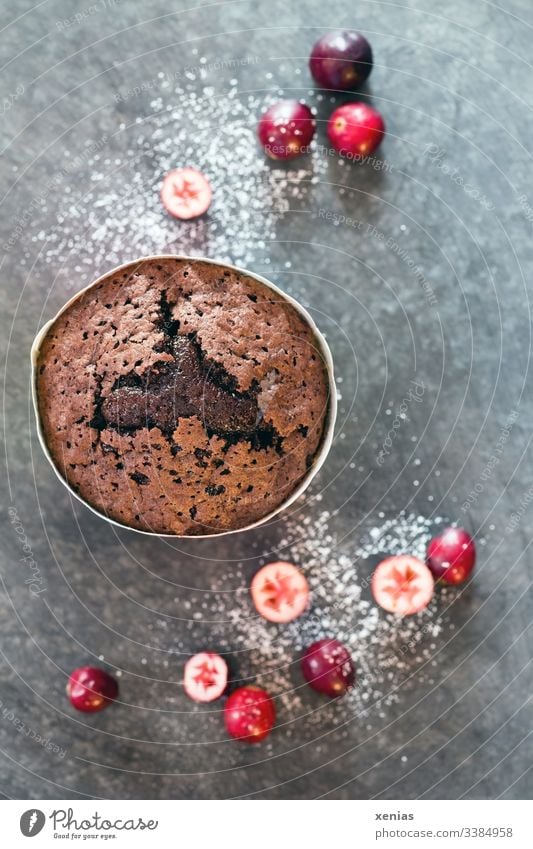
(184, 397)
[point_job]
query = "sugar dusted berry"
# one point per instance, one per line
(249, 714)
(328, 668)
(286, 129)
(451, 556)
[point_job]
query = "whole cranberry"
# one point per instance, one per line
(286, 129)
(341, 59)
(328, 668)
(249, 714)
(451, 555)
(91, 689)
(356, 130)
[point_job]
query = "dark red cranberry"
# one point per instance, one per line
(91, 689)
(451, 556)
(356, 130)
(328, 668)
(341, 59)
(286, 129)
(249, 714)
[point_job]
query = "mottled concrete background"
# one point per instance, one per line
(428, 281)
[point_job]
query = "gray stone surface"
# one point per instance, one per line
(455, 77)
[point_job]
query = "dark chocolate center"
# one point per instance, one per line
(187, 386)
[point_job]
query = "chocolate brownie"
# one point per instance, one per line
(181, 397)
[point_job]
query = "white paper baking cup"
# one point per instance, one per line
(322, 346)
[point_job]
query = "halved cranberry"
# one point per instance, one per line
(186, 193)
(249, 714)
(402, 584)
(205, 677)
(280, 592)
(451, 555)
(91, 689)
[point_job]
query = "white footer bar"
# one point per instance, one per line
(305, 824)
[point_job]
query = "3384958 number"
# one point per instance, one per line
(480, 831)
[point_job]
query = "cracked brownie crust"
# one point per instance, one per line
(182, 397)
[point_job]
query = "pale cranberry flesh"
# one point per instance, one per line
(451, 556)
(186, 193)
(280, 592)
(205, 677)
(402, 584)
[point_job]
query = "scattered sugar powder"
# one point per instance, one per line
(113, 212)
(109, 213)
(389, 653)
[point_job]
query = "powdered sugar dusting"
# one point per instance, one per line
(118, 215)
(387, 651)
(113, 214)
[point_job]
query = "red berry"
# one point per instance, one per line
(280, 592)
(205, 677)
(328, 668)
(356, 130)
(249, 714)
(286, 129)
(186, 193)
(402, 585)
(451, 555)
(91, 689)
(341, 59)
